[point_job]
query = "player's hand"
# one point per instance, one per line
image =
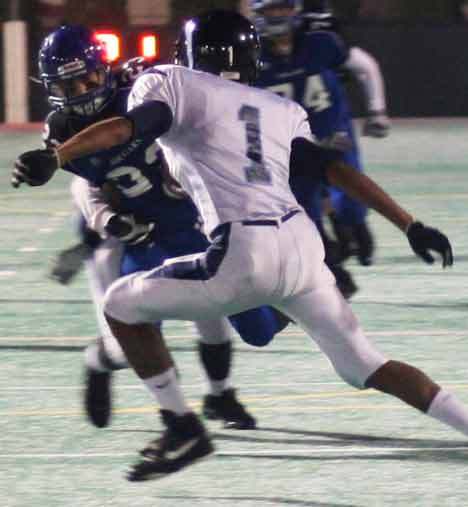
(339, 141)
(35, 167)
(128, 230)
(376, 125)
(422, 239)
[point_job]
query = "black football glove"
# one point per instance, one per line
(128, 230)
(422, 239)
(69, 263)
(35, 167)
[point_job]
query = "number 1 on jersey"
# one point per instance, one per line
(256, 172)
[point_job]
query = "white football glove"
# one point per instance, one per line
(339, 141)
(377, 125)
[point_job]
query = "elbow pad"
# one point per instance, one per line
(150, 118)
(312, 159)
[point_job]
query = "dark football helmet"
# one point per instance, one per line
(70, 55)
(269, 25)
(220, 42)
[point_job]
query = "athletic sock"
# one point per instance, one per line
(165, 388)
(97, 358)
(446, 408)
(216, 359)
(218, 386)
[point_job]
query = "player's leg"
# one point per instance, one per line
(310, 197)
(219, 282)
(349, 218)
(351, 229)
(259, 326)
(214, 346)
(215, 353)
(104, 355)
(185, 439)
(326, 316)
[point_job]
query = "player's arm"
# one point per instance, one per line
(365, 68)
(153, 117)
(367, 191)
(92, 204)
(38, 166)
(100, 208)
(422, 239)
(306, 154)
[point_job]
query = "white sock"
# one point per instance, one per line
(218, 386)
(92, 359)
(447, 409)
(166, 389)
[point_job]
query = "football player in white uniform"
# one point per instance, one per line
(230, 147)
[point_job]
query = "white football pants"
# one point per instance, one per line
(248, 266)
(103, 269)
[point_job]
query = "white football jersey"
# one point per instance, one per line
(229, 144)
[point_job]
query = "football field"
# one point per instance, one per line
(320, 443)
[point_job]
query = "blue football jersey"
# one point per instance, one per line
(308, 77)
(132, 168)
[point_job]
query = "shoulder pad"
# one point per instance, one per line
(330, 46)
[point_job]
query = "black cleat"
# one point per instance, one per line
(344, 281)
(184, 442)
(98, 403)
(344, 246)
(228, 408)
(364, 243)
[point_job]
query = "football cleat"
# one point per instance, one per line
(344, 281)
(184, 442)
(227, 407)
(98, 401)
(364, 243)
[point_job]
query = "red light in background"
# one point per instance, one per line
(149, 46)
(111, 42)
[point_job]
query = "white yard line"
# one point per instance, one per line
(292, 332)
(245, 385)
(247, 453)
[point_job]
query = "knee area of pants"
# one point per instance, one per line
(256, 340)
(352, 380)
(349, 373)
(215, 340)
(118, 303)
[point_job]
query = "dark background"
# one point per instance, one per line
(421, 46)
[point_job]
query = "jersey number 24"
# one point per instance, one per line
(316, 96)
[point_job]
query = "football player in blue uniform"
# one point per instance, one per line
(318, 15)
(152, 221)
(302, 65)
